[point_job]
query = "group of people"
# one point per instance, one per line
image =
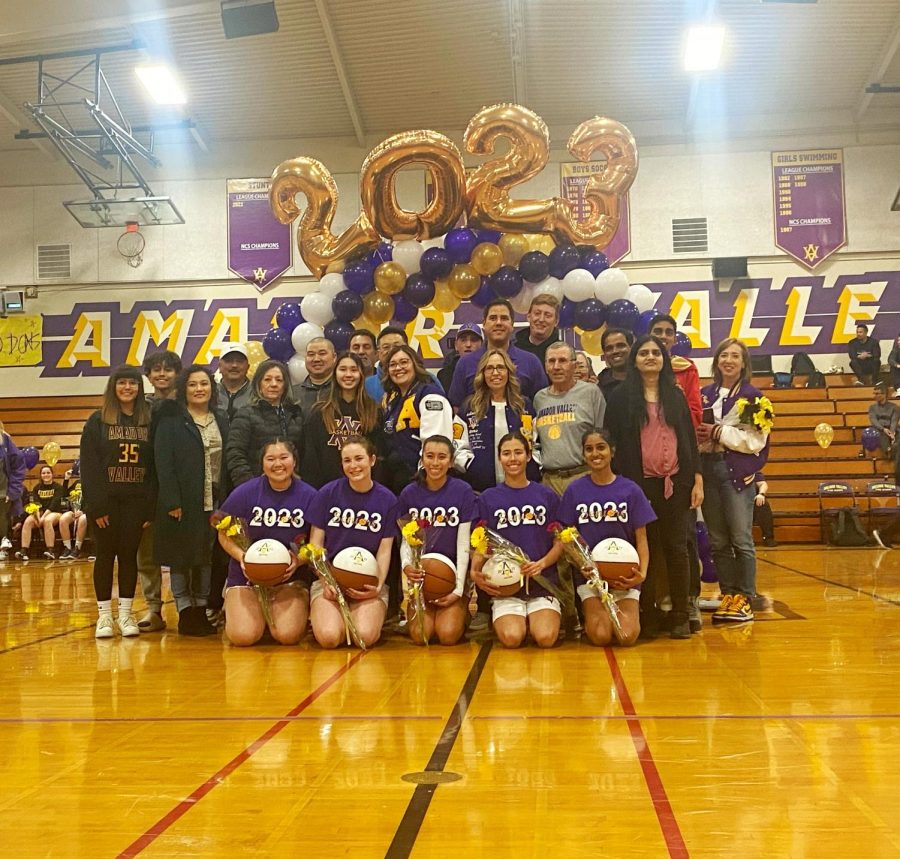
(513, 433)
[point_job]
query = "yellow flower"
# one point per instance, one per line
(742, 403)
(479, 541)
(32, 508)
(233, 531)
(409, 531)
(568, 535)
(223, 525)
(766, 403)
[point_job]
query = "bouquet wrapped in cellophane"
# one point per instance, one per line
(416, 534)
(317, 558)
(75, 498)
(579, 554)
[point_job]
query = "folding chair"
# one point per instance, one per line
(883, 497)
(833, 495)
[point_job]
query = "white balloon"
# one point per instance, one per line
(316, 308)
(549, 286)
(640, 297)
(302, 334)
(407, 254)
(433, 243)
(297, 368)
(610, 285)
(332, 284)
(522, 301)
(578, 285)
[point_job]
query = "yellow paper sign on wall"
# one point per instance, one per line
(20, 341)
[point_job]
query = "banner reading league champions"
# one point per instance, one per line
(259, 247)
(573, 177)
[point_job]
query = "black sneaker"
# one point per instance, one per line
(22, 555)
(75, 554)
(65, 554)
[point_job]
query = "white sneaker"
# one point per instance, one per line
(878, 540)
(105, 628)
(5, 543)
(128, 626)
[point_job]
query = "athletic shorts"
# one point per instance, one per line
(503, 606)
(318, 588)
(586, 592)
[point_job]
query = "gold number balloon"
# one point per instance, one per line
(824, 434)
(487, 188)
(440, 157)
(318, 246)
(51, 453)
(604, 190)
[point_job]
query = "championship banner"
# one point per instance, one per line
(810, 218)
(572, 179)
(259, 247)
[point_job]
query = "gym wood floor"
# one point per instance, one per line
(777, 739)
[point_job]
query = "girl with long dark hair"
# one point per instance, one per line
(47, 494)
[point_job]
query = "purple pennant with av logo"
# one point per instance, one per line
(810, 219)
(573, 179)
(259, 247)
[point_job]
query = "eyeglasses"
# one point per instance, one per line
(400, 365)
(498, 369)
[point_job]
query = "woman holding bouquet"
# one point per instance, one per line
(276, 505)
(353, 511)
(44, 509)
(448, 504)
(601, 505)
(520, 511)
(734, 440)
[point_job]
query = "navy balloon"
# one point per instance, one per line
(871, 438)
(622, 314)
(492, 236)
(339, 333)
(642, 326)
(595, 262)
(403, 310)
(567, 313)
(682, 345)
(288, 316)
(383, 253)
(347, 306)
(31, 456)
(359, 276)
(277, 344)
(506, 281)
(419, 290)
(564, 258)
(436, 264)
(485, 294)
(590, 314)
(460, 243)
(534, 266)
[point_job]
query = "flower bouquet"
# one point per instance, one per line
(758, 413)
(32, 508)
(415, 534)
(75, 498)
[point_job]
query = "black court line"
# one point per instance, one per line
(46, 638)
(822, 579)
(411, 823)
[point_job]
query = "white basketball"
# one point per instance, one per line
(355, 567)
(266, 562)
(502, 573)
(615, 558)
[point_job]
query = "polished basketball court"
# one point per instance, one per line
(779, 738)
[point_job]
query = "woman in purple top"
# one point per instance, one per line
(274, 505)
(353, 511)
(448, 503)
(520, 511)
(603, 505)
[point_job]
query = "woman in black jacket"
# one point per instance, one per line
(189, 440)
(656, 447)
(47, 496)
(271, 414)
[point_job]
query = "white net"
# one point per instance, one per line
(131, 246)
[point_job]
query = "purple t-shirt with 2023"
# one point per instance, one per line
(270, 513)
(522, 517)
(448, 508)
(599, 512)
(350, 518)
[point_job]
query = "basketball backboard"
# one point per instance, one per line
(146, 211)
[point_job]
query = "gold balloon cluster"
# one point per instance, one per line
(484, 197)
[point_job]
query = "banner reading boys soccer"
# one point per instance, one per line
(572, 179)
(259, 247)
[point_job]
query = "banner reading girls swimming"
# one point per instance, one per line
(572, 179)
(810, 220)
(259, 247)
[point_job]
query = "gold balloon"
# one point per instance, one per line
(488, 202)
(540, 242)
(51, 453)
(444, 299)
(390, 278)
(590, 342)
(487, 258)
(604, 190)
(363, 323)
(318, 246)
(440, 158)
(464, 281)
(824, 434)
(336, 267)
(378, 307)
(514, 247)
(255, 351)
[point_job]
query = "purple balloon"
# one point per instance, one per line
(339, 333)
(436, 264)
(404, 311)
(288, 316)
(564, 258)
(506, 281)
(567, 313)
(622, 314)
(871, 439)
(590, 314)
(682, 345)
(642, 326)
(704, 551)
(419, 290)
(534, 266)
(31, 456)
(460, 243)
(383, 253)
(485, 294)
(595, 262)
(359, 276)
(346, 306)
(492, 236)
(277, 344)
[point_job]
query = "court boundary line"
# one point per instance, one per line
(665, 815)
(176, 813)
(834, 583)
(411, 823)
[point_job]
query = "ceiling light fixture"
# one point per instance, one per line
(161, 83)
(703, 47)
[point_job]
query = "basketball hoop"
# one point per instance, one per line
(131, 244)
